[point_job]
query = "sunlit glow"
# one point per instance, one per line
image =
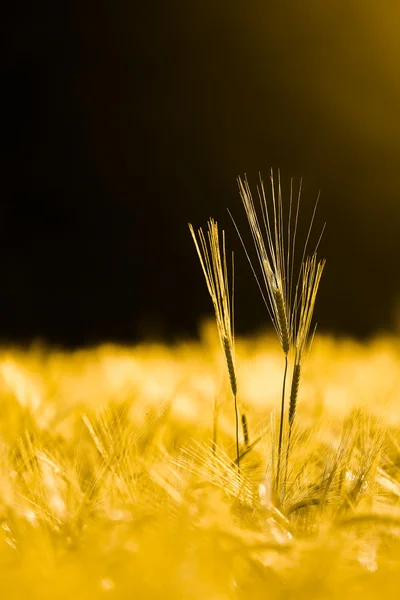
(111, 468)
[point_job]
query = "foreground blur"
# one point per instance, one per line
(109, 486)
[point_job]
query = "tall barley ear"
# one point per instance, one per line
(274, 229)
(273, 247)
(275, 244)
(213, 262)
(311, 273)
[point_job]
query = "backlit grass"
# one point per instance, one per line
(110, 485)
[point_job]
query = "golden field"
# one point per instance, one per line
(117, 474)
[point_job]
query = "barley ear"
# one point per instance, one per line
(212, 256)
(294, 393)
(282, 320)
(227, 346)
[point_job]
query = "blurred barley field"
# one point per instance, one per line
(115, 483)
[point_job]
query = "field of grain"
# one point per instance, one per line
(117, 475)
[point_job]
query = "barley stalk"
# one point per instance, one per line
(212, 258)
(274, 237)
(274, 250)
(294, 391)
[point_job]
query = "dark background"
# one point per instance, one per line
(122, 121)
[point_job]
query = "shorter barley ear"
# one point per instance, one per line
(227, 346)
(212, 258)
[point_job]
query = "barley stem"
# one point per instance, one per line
(294, 391)
(281, 428)
(227, 346)
(214, 265)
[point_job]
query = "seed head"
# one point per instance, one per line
(212, 258)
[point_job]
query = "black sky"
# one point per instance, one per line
(121, 124)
